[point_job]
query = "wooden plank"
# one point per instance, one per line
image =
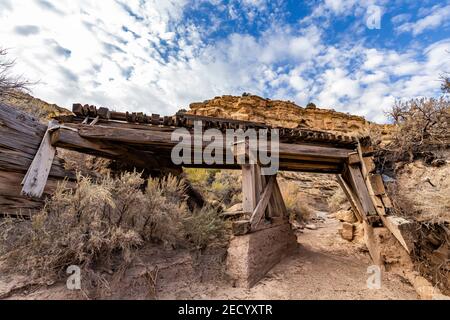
(249, 191)
(387, 201)
(279, 201)
(21, 122)
(364, 169)
(272, 205)
(141, 137)
(21, 136)
(372, 244)
(354, 159)
(376, 181)
(369, 164)
(284, 166)
(37, 175)
(359, 187)
(352, 198)
(310, 167)
(260, 209)
(379, 206)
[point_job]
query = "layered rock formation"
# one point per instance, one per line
(286, 114)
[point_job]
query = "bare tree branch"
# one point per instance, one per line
(10, 85)
(422, 124)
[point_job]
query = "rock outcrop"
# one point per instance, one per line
(33, 106)
(286, 114)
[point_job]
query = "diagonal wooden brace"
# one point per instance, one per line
(260, 209)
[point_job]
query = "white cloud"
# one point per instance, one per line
(142, 56)
(401, 18)
(438, 17)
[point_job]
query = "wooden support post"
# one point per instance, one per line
(36, 177)
(261, 196)
(399, 227)
(250, 189)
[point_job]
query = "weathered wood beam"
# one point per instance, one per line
(291, 151)
(71, 140)
(37, 175)
(353, 199)
(280, 204)
(284, 166)
(354, 176)
(260, 209)
(20, 138)
(250, 189)
(370, 238)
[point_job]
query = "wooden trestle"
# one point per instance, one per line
(145, 142)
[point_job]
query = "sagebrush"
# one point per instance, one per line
(98, 222)
(223, 188)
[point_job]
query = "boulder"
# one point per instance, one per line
(347, 231)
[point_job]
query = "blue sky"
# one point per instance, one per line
(160, 55)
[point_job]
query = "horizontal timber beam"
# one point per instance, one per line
(141, 137)
(67, 139)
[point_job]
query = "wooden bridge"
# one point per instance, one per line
(145, 142)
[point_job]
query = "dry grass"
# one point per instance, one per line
(218, 187)
(99, 223)
(338, 201)
(296, 201)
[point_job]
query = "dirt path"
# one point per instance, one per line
(324, 267)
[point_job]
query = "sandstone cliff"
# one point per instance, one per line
(287, 114)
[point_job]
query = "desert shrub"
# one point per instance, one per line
(165, 208)
(204, 226)
(80, 227)
(338, 200)
(104, 221)
(422, 127)
(217, 186)
(296, 201)
(200, 177)
(227, 187)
